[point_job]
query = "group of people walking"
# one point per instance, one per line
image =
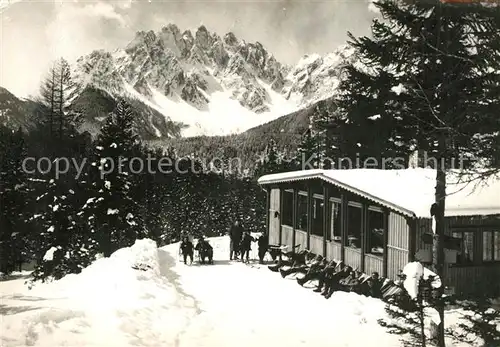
(241, 243)
(240, 246)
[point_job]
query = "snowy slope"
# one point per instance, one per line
(170, 304)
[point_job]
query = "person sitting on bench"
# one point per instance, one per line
(205, 251)
(293, 258)
(351, 283)
(374, 286)
(311, 261)
(332, 282)
(328, 270)
(395, 293)
(315, 271)
(274, 252)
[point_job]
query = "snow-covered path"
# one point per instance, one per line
(250, 306)
(113, 303)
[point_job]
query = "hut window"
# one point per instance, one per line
(317, 227)
(466, 253)
(354, 215)
(375, 237)
(287, 218)
(302, 211)
(335, 232)
(491, 245)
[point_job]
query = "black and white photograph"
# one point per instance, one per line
(221, 173)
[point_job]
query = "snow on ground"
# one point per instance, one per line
(144, 296)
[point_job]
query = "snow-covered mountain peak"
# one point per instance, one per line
(317, 77)
(192, 71)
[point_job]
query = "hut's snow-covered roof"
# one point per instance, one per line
(408, 191)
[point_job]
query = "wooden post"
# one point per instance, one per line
(294, 216)
(326, 216)
(282, 199)
(412, 238)
(343, 225)
(268, 208)
(309, 216)
(364, 234)
(385, 255)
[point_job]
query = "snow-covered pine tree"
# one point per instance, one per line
(409, 316)
(430, 79)
(66, 240)
(14, 197)
(57, 204)
(113, 211)
(62, 241)
(407, 324)
(479, 320)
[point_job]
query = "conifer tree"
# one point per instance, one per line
(479, 320)
(308, 152)
(115, 211)
(14, 196)
(61, 242)
(326, 134)
(56, 92)
(274, 161)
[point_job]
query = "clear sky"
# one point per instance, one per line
(35, 32)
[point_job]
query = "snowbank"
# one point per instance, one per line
(121, 301)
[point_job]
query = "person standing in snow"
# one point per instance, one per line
(187, 249)
(235, 235)
(263, 243)
(246, 246)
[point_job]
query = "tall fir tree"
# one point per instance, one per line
(61, 243)
(115, 212)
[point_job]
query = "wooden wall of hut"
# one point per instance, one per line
(287, 236)
(466, 279)
(397, 244)
(274, 217)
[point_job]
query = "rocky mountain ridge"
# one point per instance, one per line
(197, 79)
